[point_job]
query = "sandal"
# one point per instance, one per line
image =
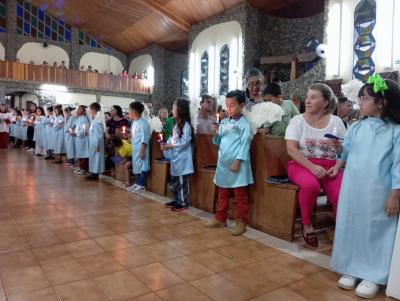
(311, 239)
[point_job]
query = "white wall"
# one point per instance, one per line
(29, 97)
(212, 40)
(2, 52)
(75, 98)
(103, 62)
(37, 53)
(108, 101)
(340, 37)
(140, 63)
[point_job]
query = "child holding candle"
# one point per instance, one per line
(140, 131)
(49, 133)
(96, 142)
(68, 138)
(39, 135)
(80, 135)
(58, 132)
(178, 150)
(233, 173)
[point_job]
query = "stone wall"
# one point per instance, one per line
(168, 67)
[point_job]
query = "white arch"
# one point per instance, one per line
(103, 62)
(33, 51)
(2, 52)
(143, 63)
(212, 40)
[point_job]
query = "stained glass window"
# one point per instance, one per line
(185, 84)
(36, 22)
(86, 40)
(3, 15)
(204, 73)
(364, 40)
(224, 70)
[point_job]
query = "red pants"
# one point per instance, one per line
(242, 203)
(310, 187)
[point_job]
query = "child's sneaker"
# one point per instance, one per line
(215, 224)
(139, 189)
(367, 289)
(239, 228)
(171, 204)
(178, 207)
(347, 282)
(131, 188)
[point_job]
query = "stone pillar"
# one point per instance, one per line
(75, 53)
(98, 98)
(11, 45)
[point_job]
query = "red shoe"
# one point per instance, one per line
(311, 239)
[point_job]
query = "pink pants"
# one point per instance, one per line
(310, 187)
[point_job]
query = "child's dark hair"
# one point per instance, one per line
(137, 106)
(239, 95)
(95, 106)
(49, 109)
(390, 100)
(273, 89)
(41, 110)
(59, 110)
(119, 110)
(183, 112)
(116, 141)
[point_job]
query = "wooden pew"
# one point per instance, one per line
(272, 207)
(159, 175)
(203, 192)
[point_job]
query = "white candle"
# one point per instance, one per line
(123, 129)
(217, 117)
(161, 137)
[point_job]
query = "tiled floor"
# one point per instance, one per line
(62, 238)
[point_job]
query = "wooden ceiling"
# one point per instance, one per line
(130, 25)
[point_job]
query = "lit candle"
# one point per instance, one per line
(161, 137)
(217, 117)
(123, 129)
(84, 128)
(70, 130)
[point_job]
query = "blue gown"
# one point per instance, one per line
(181, 156)
(364, 235)
(96, 140)
(140, 130)
(234, 138)
(58, 135)
(39, 135)
(81, 139)
(68, 139)
(48, 130)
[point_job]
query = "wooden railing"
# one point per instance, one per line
(71, 78)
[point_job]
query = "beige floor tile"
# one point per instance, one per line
(122, 285)
(183, 292)
(71, 234)
(84, 248)
(98, 230)
(51, 253)
(161, 251)
(64, 271)
(186, 245)
(113, 242)
(17, 259)
(296, 265)
(100, 264)
(139, 238)
(132, 257)
(86, 290)
(186, 268)
(156, 276)
(22, 280)
(147, 297)
(34, 228)
(46, 294)
(280, 295)
(214, 261)
(42, 239)
(220, 289)
(13, 243)
(62, 223)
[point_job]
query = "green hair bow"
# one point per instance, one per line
(379, 84)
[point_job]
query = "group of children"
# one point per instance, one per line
(370, 155)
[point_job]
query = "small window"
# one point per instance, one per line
(224, 70)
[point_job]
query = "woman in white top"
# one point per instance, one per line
(314, 155)
(5, 120)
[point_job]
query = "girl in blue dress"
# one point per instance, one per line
(69, 141)
(80, 134)
(58, 133)
(96, 142)
(179, 151)
(369, 198)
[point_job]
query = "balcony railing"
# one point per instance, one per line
(71, 78)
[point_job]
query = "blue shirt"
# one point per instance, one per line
(234, 138)
(181, 155)
(140, 135)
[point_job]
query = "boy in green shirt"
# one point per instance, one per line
(273, 93)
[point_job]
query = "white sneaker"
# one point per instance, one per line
(131, 188)
(77, 170)
(367, 289)
(347, 282)
(139, 189)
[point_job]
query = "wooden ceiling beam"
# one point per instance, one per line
(182, 24)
